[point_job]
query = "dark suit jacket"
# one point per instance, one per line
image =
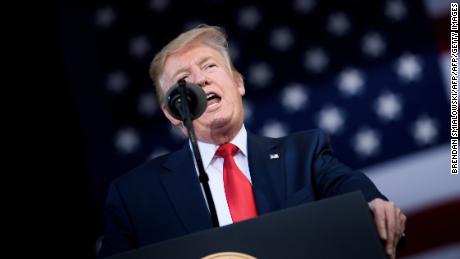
(162, 198)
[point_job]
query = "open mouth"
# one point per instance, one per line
(213, 99)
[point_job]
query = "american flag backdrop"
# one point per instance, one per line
(367, 72)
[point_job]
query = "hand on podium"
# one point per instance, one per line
(390, 223)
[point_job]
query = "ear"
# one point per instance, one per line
(239, 83)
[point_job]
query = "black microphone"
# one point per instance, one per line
(196, 100)
(186, 102)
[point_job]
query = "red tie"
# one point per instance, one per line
(238, 189)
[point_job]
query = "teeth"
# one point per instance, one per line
(210, 95)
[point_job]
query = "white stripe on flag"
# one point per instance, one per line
(446, 252)
(419, 180)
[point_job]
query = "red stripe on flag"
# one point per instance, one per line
(441, 32)
(431, 228)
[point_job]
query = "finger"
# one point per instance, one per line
(397, 233)
(379, 219)
(403, 219)
(398, 229)
(398, 221)
(390, 220)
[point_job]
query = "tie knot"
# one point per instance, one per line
(227, 149)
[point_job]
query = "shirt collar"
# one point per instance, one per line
(208, 150)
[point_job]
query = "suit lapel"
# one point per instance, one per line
(183, 187)
(265, 159)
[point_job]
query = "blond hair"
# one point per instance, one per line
(211, 36)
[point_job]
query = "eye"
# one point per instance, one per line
(183, 77)
(210, 65)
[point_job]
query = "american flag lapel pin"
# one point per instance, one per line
(274, 156)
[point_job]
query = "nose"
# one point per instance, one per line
(201, 79)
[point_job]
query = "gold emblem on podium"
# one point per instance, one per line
(229, 255)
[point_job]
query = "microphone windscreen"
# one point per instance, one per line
(196, 99)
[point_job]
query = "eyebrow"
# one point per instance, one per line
(184, 69)
(204, 60)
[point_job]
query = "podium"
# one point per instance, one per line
(338, 227)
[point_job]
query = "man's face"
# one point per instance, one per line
(206, 67)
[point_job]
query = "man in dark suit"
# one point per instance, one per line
(248, 175)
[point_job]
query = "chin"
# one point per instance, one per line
(220, 122)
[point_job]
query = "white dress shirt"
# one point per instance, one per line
(214, 167)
